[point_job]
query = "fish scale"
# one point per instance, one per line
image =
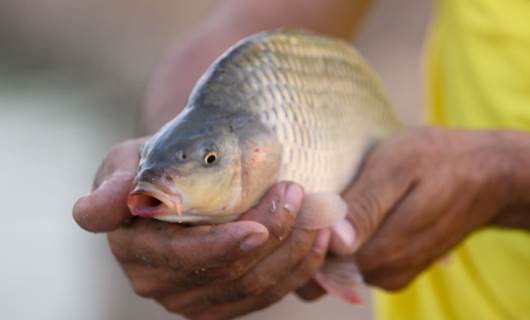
(318, 98)
(311, 92)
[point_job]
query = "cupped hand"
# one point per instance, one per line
(203, 272)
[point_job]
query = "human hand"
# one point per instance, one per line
(431, 188)
(421, 193)
(205, 271)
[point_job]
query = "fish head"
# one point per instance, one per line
(188, 175)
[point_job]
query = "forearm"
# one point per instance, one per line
(230, 21)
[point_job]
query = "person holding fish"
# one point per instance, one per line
(289, 131)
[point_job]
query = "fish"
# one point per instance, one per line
(279, 105)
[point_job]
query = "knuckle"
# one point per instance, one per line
(316, 258)
(388, 281)
(203, 316)
(144, 289)
(279, 230)
(255, 284)
(232, 272)
(472, 179)
(115, 150)
(299, 245)
(119, 254)
(108, 164)
(117, 248)
(309, 292)
(173, 305)
(271, 297)
(169, 307)
(303, 240)
(304, 296)
(366, 209)
(228, 293)
(178, 258)
(394, 284)
(279, 223)
(184, 305)
(312, 264)
(428, 137)
(174, 260)
(383, 256)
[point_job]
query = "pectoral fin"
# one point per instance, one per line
(328, 210)
(321, 210)
(340, 277)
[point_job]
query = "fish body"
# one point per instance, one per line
(278, 105)
(299, 106)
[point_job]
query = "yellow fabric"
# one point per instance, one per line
(478, 67)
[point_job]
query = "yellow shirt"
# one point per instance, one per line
(479, 77)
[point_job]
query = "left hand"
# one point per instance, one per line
(420, 194)
(204, 272)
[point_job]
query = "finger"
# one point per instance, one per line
(276, 211)
(159, 260)
(270, 270)
(192, 256)
(122, 157)
(382, 255)
(392, 280)
(343, 238)
(300, 275)
(308, 267)
(105, 208)
(227, 265)
(399, 235)
(407, 241)
(259, 279)
(186, 248)
(311, 291)
(379, 187)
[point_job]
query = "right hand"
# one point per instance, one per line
(203, 272)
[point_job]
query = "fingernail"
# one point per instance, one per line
(345, 232)
(293, 197)
(322, 241)
(253, 241)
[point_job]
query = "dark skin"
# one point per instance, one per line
(415, 198)
(205, 270)
(420, 207)
(464, 181)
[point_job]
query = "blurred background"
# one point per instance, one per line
(72, 76)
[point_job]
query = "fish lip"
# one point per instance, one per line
(157, 187)
(171, 201)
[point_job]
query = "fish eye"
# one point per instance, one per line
(210, 158)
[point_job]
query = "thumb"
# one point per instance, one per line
(105, 208)
(378, 188)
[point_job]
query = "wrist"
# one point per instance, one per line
(512, 178)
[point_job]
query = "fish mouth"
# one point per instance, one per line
(149, 201)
